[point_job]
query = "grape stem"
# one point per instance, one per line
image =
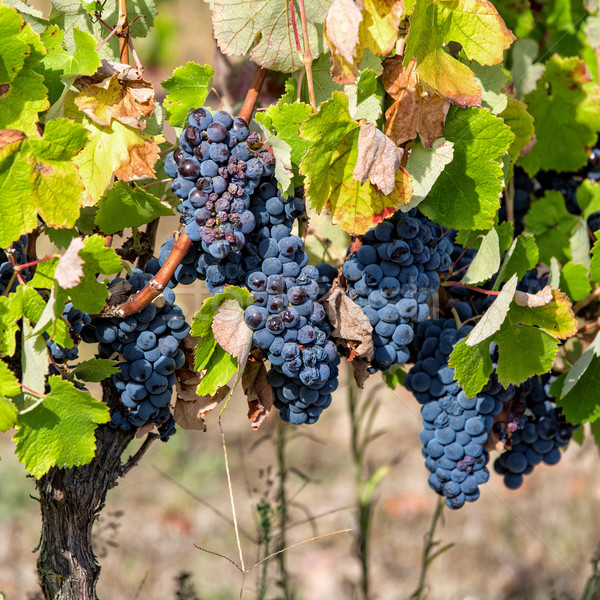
(305, 57)
(470, 287)
(252, 95)
(156, 285)
(33, 262)
(123, 32)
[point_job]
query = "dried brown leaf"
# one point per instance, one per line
(141, 432)
(69, 269)
(139, 163)
(360, 369)
(231, 332)
(258, 391)
(378, 159)
(10, 136)
(414, 111)
(189, 414)
(123, 94)
(342, 26)
(349, 323)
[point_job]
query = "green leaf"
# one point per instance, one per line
(595, 262)
(526, 70)
(281, 124)
(14, 49)
(95, 369)
(579, 244)
(329, 165)
(34, 362)
(8, 326)
(588, 197)
(89, 294)
(467, 193)
(71, 14)
(128, 206)
(494, 316)
(486, 261)
(332, 243)
(8, 414)
(239, 23)
(31, 15)
(9, 384)
(394, 376)
(60, 431)
(522, 256)
(220, 369)
(491, 80)
(187, 88)
(425, 166)
(515, 115)
(469, 237)
(463, 21)
(566, 109)
(44, 274)
(517, 15)
(574, 281)
(365, 97)
(41, 177)
(552, 225)
(472, 366)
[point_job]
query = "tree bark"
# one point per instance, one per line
(71, 500)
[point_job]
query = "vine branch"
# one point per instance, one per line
(252, 95)
(123, 33)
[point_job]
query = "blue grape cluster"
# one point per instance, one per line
(540, 434)
(148, 343)
(455, 427)
(19, 251)
(392, 278)
(291, 327)
(76, 320)
(272, 216)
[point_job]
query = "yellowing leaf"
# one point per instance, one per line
(379, 29)
(341, 32)
(329, 165)
(475, 25)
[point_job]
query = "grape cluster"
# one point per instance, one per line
(291, 327)
(148, 344)
(539, 434)
(455, 427)
(272, 216)
(76, 320)
(7, 270)
(392, 277)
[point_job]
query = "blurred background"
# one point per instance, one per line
(165, 524)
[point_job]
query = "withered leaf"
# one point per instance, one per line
(414, 111)
(69, 269)
(123, 95)
(140, 162)
(342, 26)
(259, 393)
(189, 414)
(360, 370)
(231, 332)
(349, 323)
(378, 159)
(10, 136)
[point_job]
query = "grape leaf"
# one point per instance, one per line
(469, 237)
(259, 393)
(14, 50)
(517, 15)
(579, 244)
(522, 256)
(425, 166)
(187, 87)
(515, 115)
(95, 369)
(491, 80)
(342, 25)
(31, 15)
(60, 63)
(574, 281)
(237, 23)
(71, 14)
(463, 20)
(34, 362)
(40, 177)
(328, 166)
(486, 261)
(365, 97)
(552, 225)
(467, 193)
(9, 386)
(59, 431)
(126, 206)
(595, 262)
(566, 109)
(394, 376)
(9, 318)
(8, 414)
(526, 69)
(538, 329)
(82, 267)
(588, 197)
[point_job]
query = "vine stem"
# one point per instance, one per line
(252, 95)
(470, 287)
(123, 33)
(306, 56)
